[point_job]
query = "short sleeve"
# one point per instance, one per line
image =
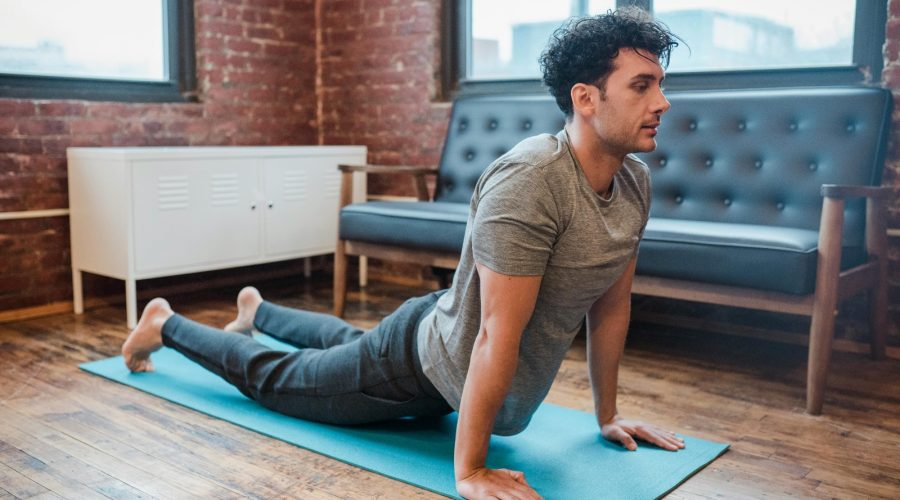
(515, 223)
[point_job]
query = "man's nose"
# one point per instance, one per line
(663, 104)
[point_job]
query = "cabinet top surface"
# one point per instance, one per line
(136, 153)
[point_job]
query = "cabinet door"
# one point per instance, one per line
(195, 214)
(301, 205)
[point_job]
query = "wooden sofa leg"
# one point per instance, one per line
(340, 279)
(821, 331)
(821, 335)
(876, 246)
(878, 304)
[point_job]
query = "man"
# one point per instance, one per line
(549, 252)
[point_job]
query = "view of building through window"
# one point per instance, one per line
(109, 39)
(509, 35)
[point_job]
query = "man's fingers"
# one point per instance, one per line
(659, 437)
(625, 438)
(519, 476)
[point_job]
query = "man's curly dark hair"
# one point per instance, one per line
(582, 50)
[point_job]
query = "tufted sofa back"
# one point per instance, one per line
(484, 128)
(753, 156)
(761, 156)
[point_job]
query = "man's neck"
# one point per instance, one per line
(597, 162)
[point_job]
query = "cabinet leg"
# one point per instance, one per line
(307, 267)
(131, 302)
(77, 291)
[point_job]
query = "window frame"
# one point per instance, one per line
(181, 85)
(868, 60)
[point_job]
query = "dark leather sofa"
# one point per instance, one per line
(739, 215)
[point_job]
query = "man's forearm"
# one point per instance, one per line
(607, 328)
(491, 370)
(604, 355)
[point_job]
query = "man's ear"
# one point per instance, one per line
(583, 99)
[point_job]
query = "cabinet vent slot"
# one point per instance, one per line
(172, 192)
(224, 190)
(294, 182)
(331, 185)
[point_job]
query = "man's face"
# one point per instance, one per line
(631, 104)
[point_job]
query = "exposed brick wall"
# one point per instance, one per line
(891, 80)
(256, 79)
(380, 73)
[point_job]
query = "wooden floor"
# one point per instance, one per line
(64, 433)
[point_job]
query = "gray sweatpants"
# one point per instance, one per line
(338, 375)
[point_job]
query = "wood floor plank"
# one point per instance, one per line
(16, 485)
(74, 435)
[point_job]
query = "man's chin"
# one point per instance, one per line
(646, 147)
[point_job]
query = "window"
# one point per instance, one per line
(728, 43)
(140, 50)
(761, 34)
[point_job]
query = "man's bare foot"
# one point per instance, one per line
(248, 301)
(146, 336)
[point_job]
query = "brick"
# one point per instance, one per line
(242, 45)
(94, 126)
(265, 33)
(39, 127)
(16, 107)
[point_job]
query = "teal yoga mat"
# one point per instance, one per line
(561, 451)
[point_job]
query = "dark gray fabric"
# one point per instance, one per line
(338, 375)
(535, 213)
(416, 224)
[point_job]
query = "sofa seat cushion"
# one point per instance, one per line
(774, 258)
(417, 224)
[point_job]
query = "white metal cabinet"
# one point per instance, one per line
(140, 213)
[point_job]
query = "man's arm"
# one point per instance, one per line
(607, 328)
(507, 303)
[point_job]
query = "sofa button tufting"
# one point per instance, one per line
(742, 125)
(692, 125)
(708, 162)
(779, 205)
(526, 125)
(679, 199)
(851, 127)
(492, 125)
(662, 162)
(758, 164)
(463, 125)
(727, 202)
(813, 166)
(470, 155)
(793, 126)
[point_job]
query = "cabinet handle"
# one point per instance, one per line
(271, 205)
(253, 206)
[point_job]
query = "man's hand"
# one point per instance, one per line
(500, 483)
(620, 430)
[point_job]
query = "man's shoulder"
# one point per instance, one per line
(535, 151)
(528, 160)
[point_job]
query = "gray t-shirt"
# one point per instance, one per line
(533, 212)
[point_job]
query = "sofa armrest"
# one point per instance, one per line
(831, 226)
(844, 191)
(418, 174)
